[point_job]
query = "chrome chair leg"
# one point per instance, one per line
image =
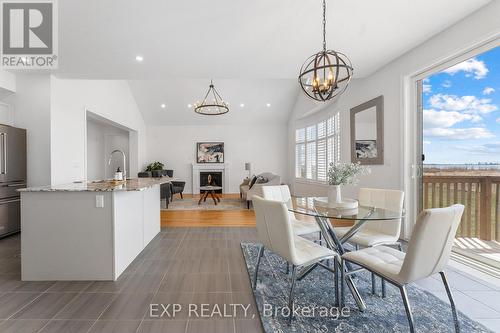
(342, 283)
(292, 291)
(383, 288)
(400, 247)
(404, 295)
(287, 268)
(452, 302)
(374, 287)
(259, 256)
(336, 281)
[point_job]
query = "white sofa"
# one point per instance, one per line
(247, 193)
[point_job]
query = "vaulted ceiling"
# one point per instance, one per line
(248, 101)
(236, 40)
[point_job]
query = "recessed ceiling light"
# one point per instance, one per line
(189, 105)
(268, 105)
(242, 105)
(139, 58)
(163, 106)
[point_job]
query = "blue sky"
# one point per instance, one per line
(462, 112)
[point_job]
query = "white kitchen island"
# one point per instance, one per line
(87, 231)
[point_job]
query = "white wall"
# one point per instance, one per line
(102, 139)
(264, 146)
(7, 82)
(7, 89)
(53, 111)
(388, 81)
(70, 99)
(31, 105)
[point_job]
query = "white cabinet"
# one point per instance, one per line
(128, 228)
(151, 214)
(66, 236)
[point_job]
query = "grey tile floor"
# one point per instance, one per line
(182, 266)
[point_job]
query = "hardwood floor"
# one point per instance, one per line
(213, 218)
(219, 218)
(207, 218)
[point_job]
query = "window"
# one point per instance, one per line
(316, 147)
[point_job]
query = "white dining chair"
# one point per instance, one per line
(374, 233)
(428, 253)
(282, 193)
(275, 233)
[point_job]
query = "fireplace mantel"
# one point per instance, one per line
(207, 167)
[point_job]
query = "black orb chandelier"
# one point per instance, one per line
(326, 74)
(212, 104)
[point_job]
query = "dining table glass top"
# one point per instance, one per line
(318, 207)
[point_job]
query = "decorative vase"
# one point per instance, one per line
(334, 194)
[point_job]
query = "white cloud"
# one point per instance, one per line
(468, 104)
(446, 84)
(459, 133)
(426, 142)
(426, 88)
(445, 119)
(472, 66)
(488, 90)
(498, 120)
(487, 148)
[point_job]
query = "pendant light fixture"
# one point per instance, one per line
(212, 104)
(326, 74)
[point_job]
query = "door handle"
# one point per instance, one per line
(16, 185)
(9, 201)
(4, 153)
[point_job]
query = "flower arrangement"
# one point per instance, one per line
(345, 173)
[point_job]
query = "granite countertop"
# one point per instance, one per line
(134, 184)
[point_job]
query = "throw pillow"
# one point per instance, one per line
(254, 179)
(261, 180)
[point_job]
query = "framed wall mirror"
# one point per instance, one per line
(367, 132)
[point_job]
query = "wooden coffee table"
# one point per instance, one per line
(206, 191)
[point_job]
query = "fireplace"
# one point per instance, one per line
(211, 168)
(215, 178)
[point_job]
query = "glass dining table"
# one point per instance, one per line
(325, 217)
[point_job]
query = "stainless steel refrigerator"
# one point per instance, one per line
(12, 177)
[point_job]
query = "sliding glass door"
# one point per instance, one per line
(460, 150)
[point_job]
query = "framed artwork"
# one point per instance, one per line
(210, 152)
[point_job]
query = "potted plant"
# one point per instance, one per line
(342, 174)
(155, 168)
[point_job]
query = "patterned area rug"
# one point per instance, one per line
(315, 296)
(192, 204)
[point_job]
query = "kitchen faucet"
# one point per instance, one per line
(124, 161)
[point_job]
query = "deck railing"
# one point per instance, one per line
(479, 194)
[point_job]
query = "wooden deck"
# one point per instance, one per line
(478, 249)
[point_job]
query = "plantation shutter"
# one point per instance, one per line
(311, 152)
(300, 153)
(316, 147)
(300, 160)
(321, 152)
(300, 135)
(311, 160)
